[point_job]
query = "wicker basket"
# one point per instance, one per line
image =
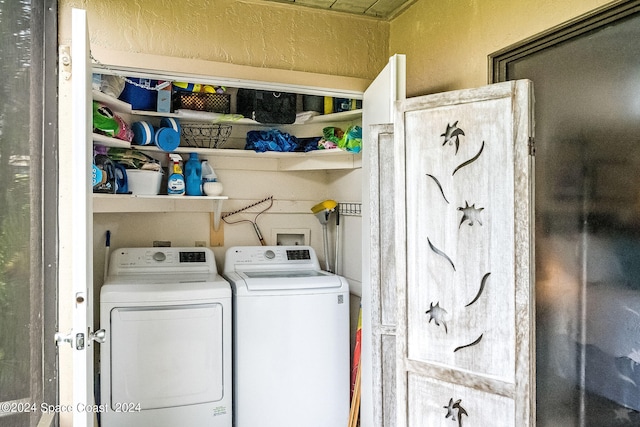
(199, 101)
(205, 135)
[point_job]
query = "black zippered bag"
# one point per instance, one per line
(267, 106)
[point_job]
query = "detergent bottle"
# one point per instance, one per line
(104, 171)
(210, 184)
(193, 175)
(175, 184)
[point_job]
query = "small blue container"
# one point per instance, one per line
(143, 133)
(140, 98)
(170, 122)
(167, 139)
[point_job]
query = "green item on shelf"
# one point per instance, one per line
(133, 159)
(332, 134)
(352, 139)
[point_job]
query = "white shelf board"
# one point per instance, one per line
(336, 117)
(109, 141)
(153, 113)
(120, 106)
(118, 203)
(203, 116)
(235, 159)
(114, 103)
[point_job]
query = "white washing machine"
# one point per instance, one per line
(166, 359)
(291, 338)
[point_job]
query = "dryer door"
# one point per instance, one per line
(166, 356)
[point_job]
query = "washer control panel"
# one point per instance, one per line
(193, 256)
(298, 254)
(145, 259)
(283, 257)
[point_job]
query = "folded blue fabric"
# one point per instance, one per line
(275, 140)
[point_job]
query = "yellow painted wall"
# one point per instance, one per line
(251, 33)
(447, 42)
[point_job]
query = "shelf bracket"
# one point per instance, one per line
(217, 213)
(216, 231)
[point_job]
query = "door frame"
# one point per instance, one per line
(592, 21)
(49, 181)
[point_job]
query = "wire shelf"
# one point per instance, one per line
(204, 135)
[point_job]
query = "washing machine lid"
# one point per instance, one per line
(287, 281)
(150, 289)
(277, 268)
(283, 274)
(159, 279)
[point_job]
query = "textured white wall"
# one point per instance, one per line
(239, 32)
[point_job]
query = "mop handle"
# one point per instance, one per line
(325, 239)
(337, 248)
(107, 248)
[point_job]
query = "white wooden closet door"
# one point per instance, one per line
(466, 328)
(378, 316)
(81, 246)
(382, 275)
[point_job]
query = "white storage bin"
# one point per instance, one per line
(144, 182)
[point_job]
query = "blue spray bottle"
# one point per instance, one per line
(175, 184)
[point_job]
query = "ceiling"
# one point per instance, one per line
(385, 9)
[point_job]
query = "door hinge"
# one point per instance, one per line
(532, 146)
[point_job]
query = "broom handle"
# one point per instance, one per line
(355, 401)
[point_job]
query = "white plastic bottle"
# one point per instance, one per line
(175, 184)
(210, 184)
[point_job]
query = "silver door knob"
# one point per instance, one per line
(98, 336)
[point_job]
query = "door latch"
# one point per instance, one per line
(61, 338)
(79, 342)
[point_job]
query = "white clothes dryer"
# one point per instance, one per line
(291, 338)
(166, 358)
